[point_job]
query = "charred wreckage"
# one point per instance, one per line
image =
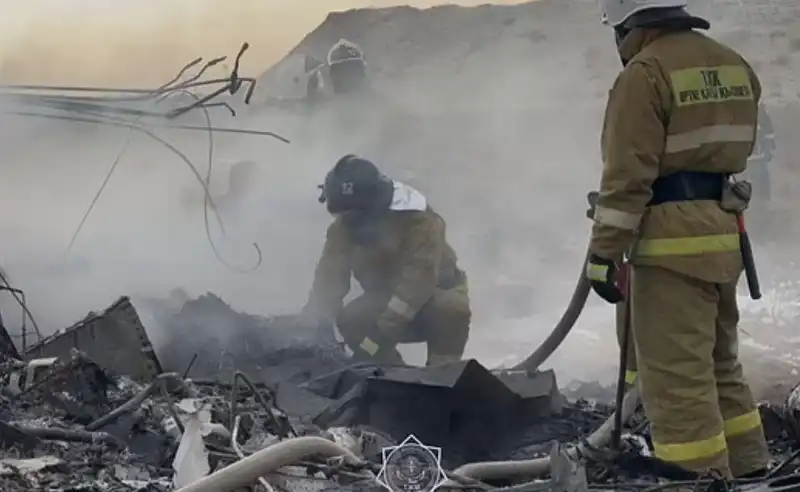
(272, 408)
(93, 408)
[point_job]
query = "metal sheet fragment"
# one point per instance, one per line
(115, 339)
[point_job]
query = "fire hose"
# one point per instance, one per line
(571, 313)
(541, 466)
(598, 439)
(240, 453)
(290, 451)
(285, 453)
(563, 327)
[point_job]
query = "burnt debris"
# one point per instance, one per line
(91, 408)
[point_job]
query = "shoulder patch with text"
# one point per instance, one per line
(703, 85)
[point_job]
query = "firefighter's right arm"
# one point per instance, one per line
(332, 275)
(633, 142)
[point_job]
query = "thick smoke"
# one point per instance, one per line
(496, 117)
(509, 182)
(144, 237)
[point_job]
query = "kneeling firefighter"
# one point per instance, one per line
(386, 236)
(681, 119)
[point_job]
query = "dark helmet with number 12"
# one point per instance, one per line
(356, 184)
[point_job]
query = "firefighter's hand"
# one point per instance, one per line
(591, 197)
(603, 275)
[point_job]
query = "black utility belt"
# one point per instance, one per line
(688, 185)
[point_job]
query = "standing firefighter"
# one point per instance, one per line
(681, 118)
(386, 236)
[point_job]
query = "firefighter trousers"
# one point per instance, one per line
(694, 393)
(443, 323)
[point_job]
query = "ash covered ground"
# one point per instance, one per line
(84, 421)
(493, 112)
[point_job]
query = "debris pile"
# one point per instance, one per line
(71, 423)
(213, 340)
(73, 430)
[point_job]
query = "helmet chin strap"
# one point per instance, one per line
(620, 33)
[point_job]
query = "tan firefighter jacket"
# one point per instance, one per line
(684, 102)
(405, 266)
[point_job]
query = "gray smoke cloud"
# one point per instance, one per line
(498, 161)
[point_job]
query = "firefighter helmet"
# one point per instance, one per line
(345, 51)
(616, 12)
(355, 184)
(347, 66)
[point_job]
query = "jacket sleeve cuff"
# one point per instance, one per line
(618, 219)
(609, 242)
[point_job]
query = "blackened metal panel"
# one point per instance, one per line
(115, 340)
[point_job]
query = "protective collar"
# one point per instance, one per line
(407, 199)
(636, 41)
(655, 23)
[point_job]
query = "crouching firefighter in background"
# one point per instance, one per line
(681, 119)
(386, 236)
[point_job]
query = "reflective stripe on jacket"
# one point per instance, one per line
(684, 102)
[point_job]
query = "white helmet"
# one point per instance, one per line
(615, 12)
(344, 51)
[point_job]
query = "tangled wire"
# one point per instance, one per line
(123, 110)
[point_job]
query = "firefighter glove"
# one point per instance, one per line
(603, 274)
